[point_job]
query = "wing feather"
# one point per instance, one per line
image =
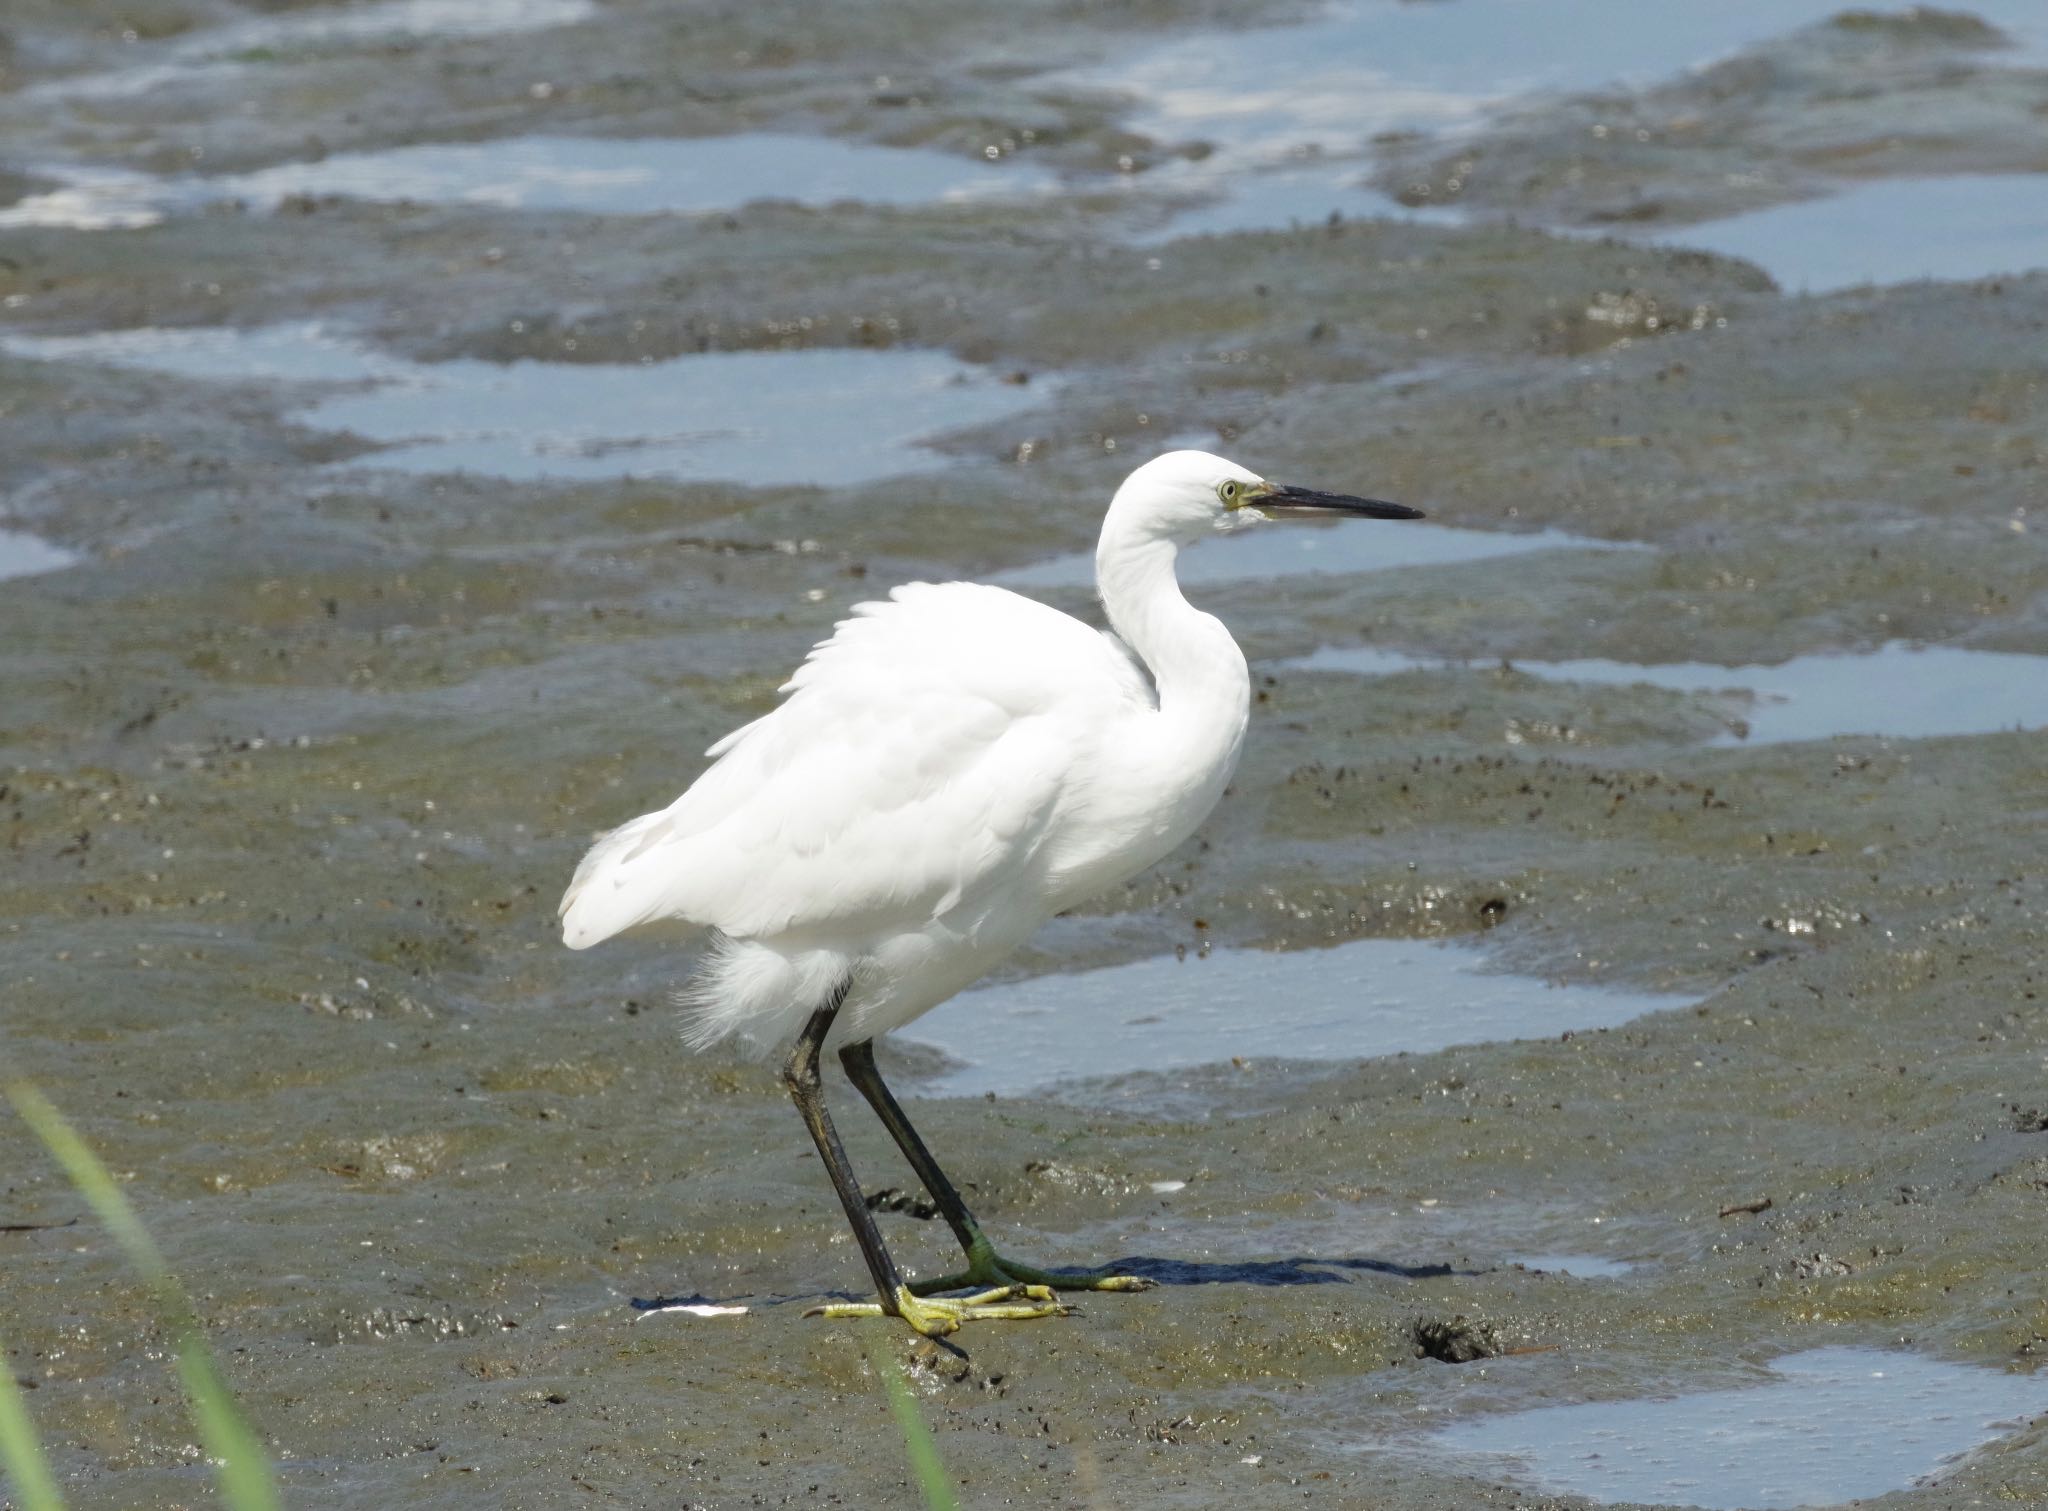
(919, 756)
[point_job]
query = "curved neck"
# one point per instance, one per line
(1195, 664)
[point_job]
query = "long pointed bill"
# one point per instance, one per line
(1286, 502)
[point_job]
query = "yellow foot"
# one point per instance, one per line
(938, 1315)
(985, 1267)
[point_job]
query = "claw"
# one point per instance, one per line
(987, 1268)
(936, 1316)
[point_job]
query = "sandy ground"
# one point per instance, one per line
(293, 768)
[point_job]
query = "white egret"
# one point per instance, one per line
(950, 769)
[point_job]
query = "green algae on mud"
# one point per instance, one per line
(294, 765)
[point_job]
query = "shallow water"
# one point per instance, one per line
(647, 176)
(1965, 226)
(219, 53)
(1280, 198)
(1298, 155)
(593, 175)
(1834, 1425)
(1353, 1001)
(1892, 230)
(90, 198)
(1370, 67)
(1580, 1266)
(828, 414)
(296, 766)
(1296, 549)
(24, 555)
(1898, 690)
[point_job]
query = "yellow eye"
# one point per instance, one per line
(1229, 491)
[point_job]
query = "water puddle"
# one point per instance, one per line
(1353, 1001)
(24, 555)
(1579, 1266)
(89, 199)
(587, 174)
(648, 176)
(1898, 690)
(1895, 230)
(216, 52)
(1371, 67)
(1279, 199)
(1295, 548)
(828, 415)
(1832, 1425)
(1297, 149)
(1884, 231)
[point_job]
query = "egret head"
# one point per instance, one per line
(1185, 495)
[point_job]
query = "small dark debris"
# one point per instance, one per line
(1457, 1341)
(909, 1203)
(36, 1227)
(1808, 1266)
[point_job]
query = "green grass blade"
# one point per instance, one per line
(241, 1467)
(21, 1456)
(931, 1474)
(94, 1183)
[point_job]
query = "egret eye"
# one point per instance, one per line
(1229, 492)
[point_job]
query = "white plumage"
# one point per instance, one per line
(947, 771)
(951, 768)
(911, 811)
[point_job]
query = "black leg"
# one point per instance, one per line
(800, 1075)
(1008, 1299)
(985, 1267)
(859, 1060)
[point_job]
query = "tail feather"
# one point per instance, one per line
(599, 903)
(759, 995)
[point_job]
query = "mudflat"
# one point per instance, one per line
(408, 560)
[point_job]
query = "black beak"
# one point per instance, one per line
(1285, 502)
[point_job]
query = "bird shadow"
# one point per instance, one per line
(1301, 1269)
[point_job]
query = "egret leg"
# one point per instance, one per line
(1006, 1299)
(985, 1267)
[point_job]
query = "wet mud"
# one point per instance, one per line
(1862, 94)
(297, 753)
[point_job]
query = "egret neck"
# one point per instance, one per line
(1203, 684)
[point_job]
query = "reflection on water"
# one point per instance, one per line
(215, 55)
(1898, 690)
(1295, 548)
(1354, 1001)
(597, 175)
(664, 175)
(28, 555)
(1583, 1266)
(1298, 149)
(1833, 1425)
(1369, 67)
(307, 353)
(90, 199)
(827, 415)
